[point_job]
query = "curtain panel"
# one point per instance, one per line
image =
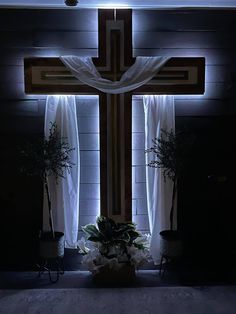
(64, 194)
(159, 114)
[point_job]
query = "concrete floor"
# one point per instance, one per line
(83, 279)
(143, 300)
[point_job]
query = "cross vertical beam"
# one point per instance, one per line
(115, 159)
(115, 56)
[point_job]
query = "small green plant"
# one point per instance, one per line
(113, 244)
(111, 234)
(47, 157)
(170, 152)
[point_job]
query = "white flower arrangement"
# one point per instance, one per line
(113, 245)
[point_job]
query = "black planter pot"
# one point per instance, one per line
(171, 244)
(50, 247)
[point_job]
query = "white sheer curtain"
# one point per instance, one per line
(65, 194)
(159, 114)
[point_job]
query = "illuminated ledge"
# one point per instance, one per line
(178, 76)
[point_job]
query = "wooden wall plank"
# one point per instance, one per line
(193, 107)
(219, 74)
(147, 40)
(16, 38)
(11, 73)
(15, 56)
(82, 20)
(212, 91)
(21, 125)
(15, 91)
(143, 20)
(182, 20)
(214, 56)
(188, 107)
(21, 107)
(185, 39)
(73, 39)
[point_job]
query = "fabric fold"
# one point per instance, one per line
(142, 71)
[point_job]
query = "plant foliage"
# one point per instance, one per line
(170, 152)
(111, 244)
(46, 157)
(111, 234)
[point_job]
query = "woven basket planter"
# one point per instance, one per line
(124, 275)
(51, 247)
(171, 244)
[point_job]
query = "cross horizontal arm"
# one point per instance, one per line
(178, 76)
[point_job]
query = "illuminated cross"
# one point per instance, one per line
(178, 76)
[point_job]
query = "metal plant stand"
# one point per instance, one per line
(51, 252)
(51, 265)
(163, 265)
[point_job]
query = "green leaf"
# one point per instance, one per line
(139, 246)
(106, 226)
(91, 230)
(134, 235)
(95, 239)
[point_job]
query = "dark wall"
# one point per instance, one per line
(206, 210)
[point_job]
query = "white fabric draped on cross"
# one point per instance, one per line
(142, 71)
(65, 194)
(159, 114)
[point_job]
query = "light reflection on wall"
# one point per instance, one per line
(88, 127)
(112, 5)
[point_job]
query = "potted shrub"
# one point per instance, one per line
(170, 152)
(112, 251)
(44, 158)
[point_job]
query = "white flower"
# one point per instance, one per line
(143, 240)
(82, 246)
(138, 257)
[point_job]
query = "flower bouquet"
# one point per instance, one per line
(112, 251)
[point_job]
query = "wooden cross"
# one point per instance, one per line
(178, 76)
